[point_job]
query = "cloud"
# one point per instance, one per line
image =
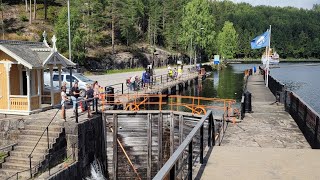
(306, 4)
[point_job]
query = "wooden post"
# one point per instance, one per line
(59, 70)
(171, 133)
(51, 84)
(149, 144)
(315, 143)
(39, 75)
(8, 67)
(115, 146)
(29, 88)
(305, 118)
(20, 78)
(181, 126)
(160, 134)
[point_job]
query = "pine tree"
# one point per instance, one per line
(227, 41)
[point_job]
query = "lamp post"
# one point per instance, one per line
(69, 34)
(201, 44)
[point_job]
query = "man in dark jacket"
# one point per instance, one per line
(74, 92)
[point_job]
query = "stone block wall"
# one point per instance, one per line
(89, 140)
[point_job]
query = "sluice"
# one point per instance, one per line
(146, 140)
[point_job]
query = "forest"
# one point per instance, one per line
(186, 26)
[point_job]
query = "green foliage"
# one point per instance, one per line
(61, 29)
(23, 18)
(198, 25)
(175, 23)
(227, 41)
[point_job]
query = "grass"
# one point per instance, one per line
(114, 71)
(2, 156)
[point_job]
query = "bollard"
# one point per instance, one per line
(247, 102)
(76, 112)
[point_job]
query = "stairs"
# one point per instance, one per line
(18, 159)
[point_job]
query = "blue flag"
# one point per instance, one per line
(261, 41)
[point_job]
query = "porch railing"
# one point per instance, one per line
(18, 102)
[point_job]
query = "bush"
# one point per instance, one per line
(23, 18)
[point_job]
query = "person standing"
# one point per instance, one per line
(143, 78)
(89, 95)
(74, 93)
(147, 79)
(133, 83)
(64, 98)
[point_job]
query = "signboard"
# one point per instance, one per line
(179, 62)
(216, 59)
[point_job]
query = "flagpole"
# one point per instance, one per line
(268, 58)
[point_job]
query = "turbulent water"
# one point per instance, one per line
(96, 171)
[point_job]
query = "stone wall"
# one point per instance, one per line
(10, 129)
(89, 140)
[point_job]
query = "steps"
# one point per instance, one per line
(28, 138)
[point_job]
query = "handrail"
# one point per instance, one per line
(46, 130)
(169, 166)
(10, 145)
(38, 165)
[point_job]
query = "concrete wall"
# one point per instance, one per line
(89, 140)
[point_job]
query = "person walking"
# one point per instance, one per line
(74, 93)
(64, 98)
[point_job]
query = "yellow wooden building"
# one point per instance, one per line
(22, 65)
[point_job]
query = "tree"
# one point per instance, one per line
(61, 30)
(154, 20)
(129, 18)
(171, 21)
(227, 41)
(35, 9)
(198, 25)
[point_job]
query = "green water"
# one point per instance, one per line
(226, 84)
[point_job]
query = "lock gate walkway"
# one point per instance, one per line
(267, 144)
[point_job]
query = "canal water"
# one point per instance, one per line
(301, 78)
(226, 84)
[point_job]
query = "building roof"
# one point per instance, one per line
(32, 54)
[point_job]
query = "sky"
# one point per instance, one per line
(306, 4)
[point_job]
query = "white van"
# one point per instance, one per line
(65, 77)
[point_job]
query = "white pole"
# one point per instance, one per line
(268, 60)
(69, 30)
(191, 51)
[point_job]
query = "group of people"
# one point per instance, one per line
(91, 92)
(135, 83)
(174, 73)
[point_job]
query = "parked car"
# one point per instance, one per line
(65, 77)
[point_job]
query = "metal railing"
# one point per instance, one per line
(48, 142)
(6, 150)
(62, 154)
(177, 165)
(305, 116)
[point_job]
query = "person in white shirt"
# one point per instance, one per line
(64, 98)
(133, 83)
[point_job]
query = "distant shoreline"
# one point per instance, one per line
(281, 60)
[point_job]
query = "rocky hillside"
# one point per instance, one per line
(17, 26)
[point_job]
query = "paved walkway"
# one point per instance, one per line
(267, 144)
(109, 79)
